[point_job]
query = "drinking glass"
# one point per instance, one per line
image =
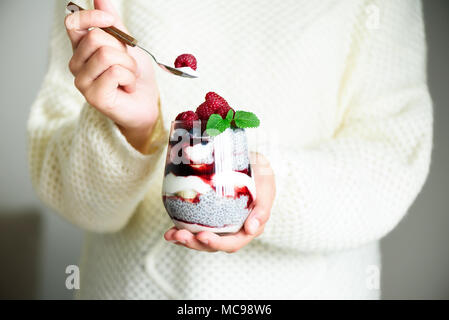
(208, 183)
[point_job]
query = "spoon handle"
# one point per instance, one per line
(113, 31)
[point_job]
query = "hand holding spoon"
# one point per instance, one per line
(132, 42)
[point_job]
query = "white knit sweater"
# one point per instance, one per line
(340, 87)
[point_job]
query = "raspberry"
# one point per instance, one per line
(204, 111)
(223, 111)
(187, 119)
(185, 60)
(218, 103)
(213, 104)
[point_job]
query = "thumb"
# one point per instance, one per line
(266, 191)
(108, 6)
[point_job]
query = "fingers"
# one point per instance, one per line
(228, 243)
(102, 93)
(102, 60)
(185, 238)
(107, 6)
(266, 191)
(78, 23)
(260, 165)
(265, 187)
(169, 234)
(89, 44)
(256, 221)
(210, 242)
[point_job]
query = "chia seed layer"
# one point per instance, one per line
(240, 150)
(210, 210)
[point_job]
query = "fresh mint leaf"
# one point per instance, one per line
(216, 125)
(244, 119)
(240, 119)
(230, 115)
(213, 123)
(223, 125)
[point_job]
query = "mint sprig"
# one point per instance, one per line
(230, 115)
(216, 125)
(244, 119)
(241, 119)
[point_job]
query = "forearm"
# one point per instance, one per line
(89, 173)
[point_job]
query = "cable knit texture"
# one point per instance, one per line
(346, 123)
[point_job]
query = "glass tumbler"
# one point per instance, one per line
(208, 183)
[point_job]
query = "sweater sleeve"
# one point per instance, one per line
(355, 187)
(81, 165)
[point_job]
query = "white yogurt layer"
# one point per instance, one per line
(234, 179)
(224, 183)
(200, 153)
(174, 184)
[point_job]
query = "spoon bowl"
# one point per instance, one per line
(176, 71)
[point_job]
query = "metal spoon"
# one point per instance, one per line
(132, 42)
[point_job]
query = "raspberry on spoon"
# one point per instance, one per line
(186, 60)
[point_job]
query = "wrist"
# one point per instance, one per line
(140, 133)
(138, 137)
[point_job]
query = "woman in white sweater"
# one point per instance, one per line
(340, 88)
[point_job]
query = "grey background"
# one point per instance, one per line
(36, 245)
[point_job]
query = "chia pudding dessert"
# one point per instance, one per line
(208, 183)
